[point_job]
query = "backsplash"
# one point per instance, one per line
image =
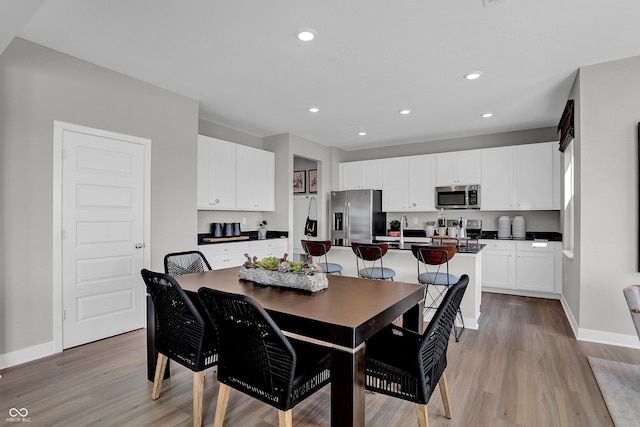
(535, 220)
(205, 218)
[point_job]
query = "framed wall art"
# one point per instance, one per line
(299, 182)
(313, 180)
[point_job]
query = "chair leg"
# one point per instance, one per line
(444, 392)
(161, 365)
(423, 415)
(198, 389)
(221, 406)
(285, 418)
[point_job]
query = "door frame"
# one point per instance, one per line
(58, 131)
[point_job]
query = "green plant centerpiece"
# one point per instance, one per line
(394, 225)
(276, 271)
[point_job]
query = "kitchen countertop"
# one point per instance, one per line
(472, 248)
(551, 236)
(252, 235)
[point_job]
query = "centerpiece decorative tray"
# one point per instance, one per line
(276, 271)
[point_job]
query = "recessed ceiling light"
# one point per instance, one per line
(473, 75)
(313, 109)
(306, 35)
(487, 115)
(362, 133)
(405, 111)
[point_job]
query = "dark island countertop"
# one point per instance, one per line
(470, 248)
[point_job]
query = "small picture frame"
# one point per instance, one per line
(313, 180)
(299, 181)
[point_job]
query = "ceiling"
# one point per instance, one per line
(241, 60)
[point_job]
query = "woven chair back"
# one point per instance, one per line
(435, 339)
(255, 356)
(179, 327)
(179, 263)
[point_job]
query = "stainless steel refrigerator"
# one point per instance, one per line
(356, 216)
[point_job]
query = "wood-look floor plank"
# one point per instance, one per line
(522, 368)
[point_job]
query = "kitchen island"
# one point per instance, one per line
(466, 261)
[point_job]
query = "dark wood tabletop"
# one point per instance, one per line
(348, 312)
(344, 315)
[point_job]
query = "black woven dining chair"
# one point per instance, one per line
(178, 263)
(182, 334)
(258, 360)
(407, 365)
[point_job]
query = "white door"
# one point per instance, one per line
(103, 212)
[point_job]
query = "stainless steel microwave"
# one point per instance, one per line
(458, 197)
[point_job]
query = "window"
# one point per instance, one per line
(568, 208)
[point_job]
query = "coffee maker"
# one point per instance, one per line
(474, 228)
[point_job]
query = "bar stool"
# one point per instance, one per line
(319, 249)
(435, 281)
(370, 255)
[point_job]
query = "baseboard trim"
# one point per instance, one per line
(25, 355)
(610, 338)
(600, 337)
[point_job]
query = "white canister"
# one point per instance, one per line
(518, 228)
(504, 227)
(430, 230)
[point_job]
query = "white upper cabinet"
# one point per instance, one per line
(255, 179)
(459, 168)
(521, 177)
(537, 176)
(234, 177)
(498, 175)
(216, 173)
(365, 174)
(395, 176)
(408, 183)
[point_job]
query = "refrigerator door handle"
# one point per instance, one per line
(347, 225)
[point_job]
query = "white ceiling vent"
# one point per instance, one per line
(350, 129)
(487, 3)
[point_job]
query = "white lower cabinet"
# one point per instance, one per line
(498, 264)
(268, 248)
(521, 266)
(232, 254)
(535, 269)
(224, 255)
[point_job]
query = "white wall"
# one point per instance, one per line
(39, 85)
(608, 149)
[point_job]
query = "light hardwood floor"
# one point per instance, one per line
(522, 368)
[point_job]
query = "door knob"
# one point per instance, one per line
(139, 245)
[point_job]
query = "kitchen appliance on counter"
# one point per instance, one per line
(474, 228)
(458, 197)
(356, 216)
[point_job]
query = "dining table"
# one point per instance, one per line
(343, 316)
